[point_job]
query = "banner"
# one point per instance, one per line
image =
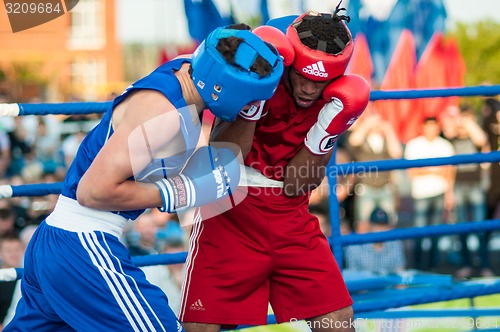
(203, 17)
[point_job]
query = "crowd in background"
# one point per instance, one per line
(36, 149)
(420, 196)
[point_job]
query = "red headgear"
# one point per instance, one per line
(317, 65)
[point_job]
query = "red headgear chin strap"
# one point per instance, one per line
(317, 65)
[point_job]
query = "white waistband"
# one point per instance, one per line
(73, 217)
(250, 177)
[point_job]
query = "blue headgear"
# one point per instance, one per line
(226, 88)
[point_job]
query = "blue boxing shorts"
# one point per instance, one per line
(79, 276)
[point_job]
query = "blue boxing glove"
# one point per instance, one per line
(209, 175)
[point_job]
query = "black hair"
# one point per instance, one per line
(464, 108)
(227, 48)
(493, 104)
(430, 119)
(319, 209)
(325, 32)
(10, 236)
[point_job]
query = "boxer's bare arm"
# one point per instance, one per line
(106, 185)
(239, 132)
(305, 172)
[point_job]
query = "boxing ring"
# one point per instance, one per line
(400, 290)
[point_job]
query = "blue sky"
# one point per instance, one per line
(164, 21)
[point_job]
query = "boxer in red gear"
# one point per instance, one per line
(269, 248)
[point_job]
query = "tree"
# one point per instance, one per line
(478, 43)
(479, 47)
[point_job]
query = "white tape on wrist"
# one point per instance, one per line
(319, 141)
(165, 191)
(177, 193)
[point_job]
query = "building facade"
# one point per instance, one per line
(76, 56)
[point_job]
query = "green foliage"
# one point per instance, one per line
(28, 73)
(253, 21)
(139, 60)
(478, 44)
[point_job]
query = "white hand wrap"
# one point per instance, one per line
(318, 140)
(254, 113)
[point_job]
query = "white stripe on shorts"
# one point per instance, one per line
(109, 282)
(100, 258)
(135, 283)
(193, 252)
(128, 290)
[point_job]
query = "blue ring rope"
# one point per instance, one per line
(101, 107)
(467, 289)
(431, 313)
(420, 232)
(394, 164)
(481, 90)
(352, 239)
(160, 259)
(43, 189)
(64, 108)
(39, 189)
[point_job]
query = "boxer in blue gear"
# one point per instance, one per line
(78, 275)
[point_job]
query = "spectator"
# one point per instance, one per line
(169, 277)
(373, 138)
(320, 211)
(345, 188)
(32, 171)
(39, 209)
(491, 108)
(25, 237)
(20, 148)
(70, 146)
(26, 234)
(488, 114)
(170, 227)
(11, 254)
(143, 238)
(491, 121)
(7, 218)
(47, 147)
(431, 187)
(4, 152)
(20, 204)
(467, 137)
(382, 257)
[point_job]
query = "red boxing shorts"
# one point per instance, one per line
(267, 249)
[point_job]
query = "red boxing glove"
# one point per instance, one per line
(279, 40)
(348, 95)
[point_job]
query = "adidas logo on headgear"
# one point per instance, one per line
(316, 69)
